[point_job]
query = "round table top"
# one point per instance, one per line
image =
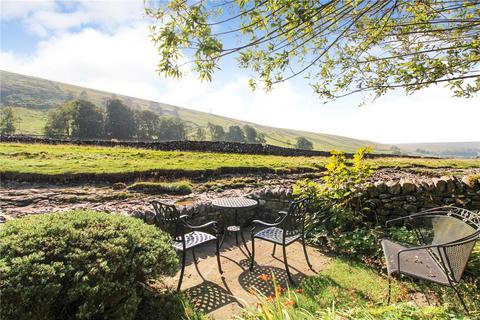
(237, 202)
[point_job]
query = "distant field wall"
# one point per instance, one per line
(200, 146)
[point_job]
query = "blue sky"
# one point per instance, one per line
(105, 45)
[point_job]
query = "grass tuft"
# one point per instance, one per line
(175, 188)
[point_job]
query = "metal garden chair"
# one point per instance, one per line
(185, 236)
(287, 229)
(446, 239)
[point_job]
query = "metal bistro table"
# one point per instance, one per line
(235, 204)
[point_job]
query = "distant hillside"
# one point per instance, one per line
(32, 97)
(443, 149)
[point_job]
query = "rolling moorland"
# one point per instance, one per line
(33, 97)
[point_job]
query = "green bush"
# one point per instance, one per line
(161, 303)
(181, 188)
(79, 264)
(337, 221)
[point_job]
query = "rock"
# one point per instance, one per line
(428, 185)
(394, 187)
(411, 199)
(440, 185)
(410, 208)
(407, 186)
(372, 191)
(381, 187)
(450, 184)
(471, 181)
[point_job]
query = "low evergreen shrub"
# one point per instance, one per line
(79, 265)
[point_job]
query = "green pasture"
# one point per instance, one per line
(65, 159)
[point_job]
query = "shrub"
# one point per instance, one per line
(119, 186)
(79, 264)
(161, 303)
(181, 188)
(338, 222)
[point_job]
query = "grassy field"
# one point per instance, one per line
(40, 95)
(30, 121)
(69, 159)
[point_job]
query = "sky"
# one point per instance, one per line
(105, 45)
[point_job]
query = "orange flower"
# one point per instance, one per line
(264, 277)
(270, 298)
(288, 303)
(299, 290)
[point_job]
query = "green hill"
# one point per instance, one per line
(443, 149)
(32, 97)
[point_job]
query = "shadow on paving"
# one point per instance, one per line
(262, 279)
(222, 296)
(208, 296)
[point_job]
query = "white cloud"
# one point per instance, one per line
(44, 17)
(18, 9)
(120, 58)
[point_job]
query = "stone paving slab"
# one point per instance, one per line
(222, 296)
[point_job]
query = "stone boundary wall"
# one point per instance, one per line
(403, 197)
(202, 146)
(385, 200)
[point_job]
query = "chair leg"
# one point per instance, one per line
(306, 254)
(218, 256)
(236, 237)
(389, 289)
(244, 242)
(461, 299)
(274, 249)
(286, 265)
(252, 257)
(182, 271)
(193, 256)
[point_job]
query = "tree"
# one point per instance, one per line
(148, 124)
(83, 95)
(171, 129)
(7, 121)
(395, 149)
(252, 136)
(120, 121)
(87, 120)
(250, 133)
(78, 119)
(58, 123)
(304, 143)
(217, 132)
(200, 134)
(235, 134)
(261, 138)
(341, 47)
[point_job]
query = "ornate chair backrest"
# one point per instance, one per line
(167, 218)
(455, 230)
(294, 223)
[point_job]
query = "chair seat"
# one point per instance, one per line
(275, 235)
(418, 263)
(192, 239)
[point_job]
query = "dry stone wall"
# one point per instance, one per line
(385, 200)
(201, 146)
(403, 197)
